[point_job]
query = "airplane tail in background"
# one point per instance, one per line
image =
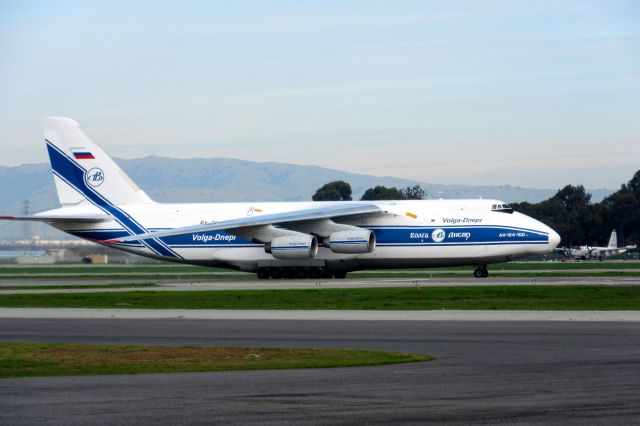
(83, 171)
(613, 240)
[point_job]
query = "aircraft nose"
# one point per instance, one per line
(554, 239)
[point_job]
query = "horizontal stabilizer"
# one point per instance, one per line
(61, 219)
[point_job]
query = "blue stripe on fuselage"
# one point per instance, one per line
(201, 239)
(469, 235)
(389, 237)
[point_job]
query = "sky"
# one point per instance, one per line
(523, 93)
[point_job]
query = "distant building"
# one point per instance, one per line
(36, 260)
(99, 259)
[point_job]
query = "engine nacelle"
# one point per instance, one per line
(301, 246)
(352, 241)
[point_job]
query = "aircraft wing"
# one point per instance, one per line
(62, 219)
(609, 250)
(298, 216)
(612, 250)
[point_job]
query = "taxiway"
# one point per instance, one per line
(486, 372)
(21, 286)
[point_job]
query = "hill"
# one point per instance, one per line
(222, 179)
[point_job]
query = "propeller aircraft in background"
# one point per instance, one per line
(593, 252)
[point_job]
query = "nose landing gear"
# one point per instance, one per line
(481, 272)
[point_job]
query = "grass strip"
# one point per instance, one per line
(494, 274)
(531, 297)
(71, 286)
(62, 268)
(134, 276)
(58, 359)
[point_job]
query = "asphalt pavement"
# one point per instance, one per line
(507, 372)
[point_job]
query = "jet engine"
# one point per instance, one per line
(301, 246)
(352, 241)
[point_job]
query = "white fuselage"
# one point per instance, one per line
(418, 233)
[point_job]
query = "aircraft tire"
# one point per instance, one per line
(289, 273)
(276, 273)
(481, 272)
(264, 273)
(327, 274)
(302, 273)
(316, 272)
(340, 275)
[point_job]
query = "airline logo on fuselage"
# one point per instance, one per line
(460, 235)
(439, 235)
(419, 235)
(457, 220)
(205, 238)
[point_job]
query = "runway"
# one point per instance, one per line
(320, 315)
(226, 284)
(486, 372)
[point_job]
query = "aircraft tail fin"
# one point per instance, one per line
(613, 240)
(83, 171)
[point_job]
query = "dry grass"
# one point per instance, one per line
(36, 359)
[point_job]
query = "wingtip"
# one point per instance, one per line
(7, 217)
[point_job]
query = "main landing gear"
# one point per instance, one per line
(299, 273)
(481, 272)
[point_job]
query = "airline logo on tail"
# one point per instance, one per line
(94, 177)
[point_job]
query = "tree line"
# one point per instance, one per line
(340, 190)
(579, 221)
(570, 211)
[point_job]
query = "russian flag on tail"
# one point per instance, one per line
(82, 154)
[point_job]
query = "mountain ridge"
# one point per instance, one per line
(167, 179)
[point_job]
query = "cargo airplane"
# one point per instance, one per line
(592, 252)
(99, 202)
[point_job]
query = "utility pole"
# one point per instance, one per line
(26, 229)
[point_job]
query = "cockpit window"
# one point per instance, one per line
(502, 208)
